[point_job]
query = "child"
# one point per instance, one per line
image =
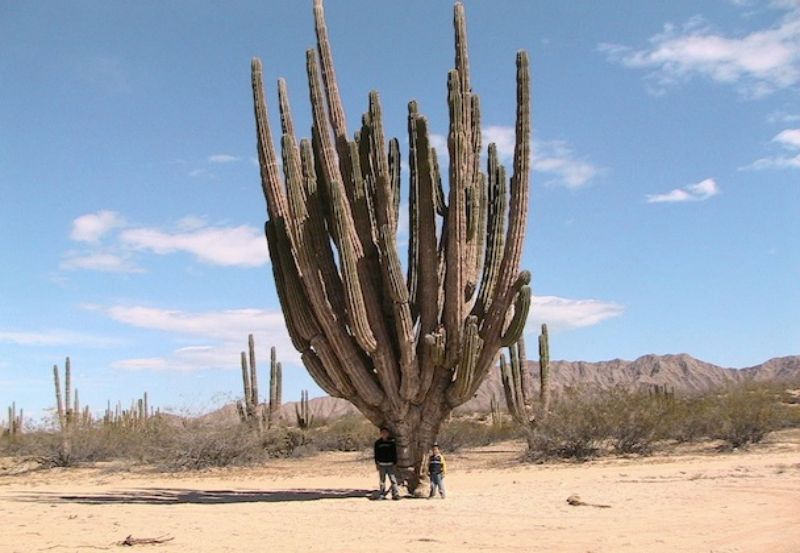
(385, 460)
(436, 469)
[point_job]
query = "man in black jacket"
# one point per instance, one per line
(385, 461)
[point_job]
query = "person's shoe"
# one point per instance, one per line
(396, 497)
(383, 497)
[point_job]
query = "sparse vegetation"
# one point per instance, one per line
(585, 424)
(580, 424)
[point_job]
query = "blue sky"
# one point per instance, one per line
(666, 191)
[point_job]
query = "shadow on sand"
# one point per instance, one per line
(177, 496)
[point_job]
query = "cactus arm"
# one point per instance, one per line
(394, 181)
(495, 231)
(428, 283)
(393, 280)
(456, 223)
(516, 326)
(267, 160)
(505, 291)
(334, 101)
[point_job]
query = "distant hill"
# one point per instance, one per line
(681, 372)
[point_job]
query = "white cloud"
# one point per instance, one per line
(141, 364)
(790, 140)
(96, 261)
(703, 190)
(239, 246)
(196, 358)
(557, 159)
(222, 158)
(758, 63)
(554, 158)
(220, 336)
(566, 314)
(93, 226)
(54, 337)
(439, 142)
(230, 323)
(201, 173)
(777, 162)
(242, 246)
(783, 117)
(190, 222)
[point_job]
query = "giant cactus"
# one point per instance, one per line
(405, 349)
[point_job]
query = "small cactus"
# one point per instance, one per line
(494, 409)
(15, 421)
(303, 412)
(139, 417)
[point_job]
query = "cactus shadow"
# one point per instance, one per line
(178, 496)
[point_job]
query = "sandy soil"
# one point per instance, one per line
(691, 501)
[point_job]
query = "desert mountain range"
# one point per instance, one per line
(682, 373)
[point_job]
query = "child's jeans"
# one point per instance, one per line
(437, 481)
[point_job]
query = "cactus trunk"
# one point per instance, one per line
(405, 349)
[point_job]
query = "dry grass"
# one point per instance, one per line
(582, 424)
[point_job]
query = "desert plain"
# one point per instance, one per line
(693, 500)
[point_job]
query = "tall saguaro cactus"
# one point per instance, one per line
(544, 369)
(404, 349)
(14, 420)
(275, 385)
(250, 410)
(65, 409)
(302, 411)
(67, 418)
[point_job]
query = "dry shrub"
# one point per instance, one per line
(462, 432)
(633, 421)
(583, 424)
(744, 415)
(202, 445)
(349, 433)
(573, 429)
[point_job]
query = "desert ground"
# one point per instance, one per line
(692, 500)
